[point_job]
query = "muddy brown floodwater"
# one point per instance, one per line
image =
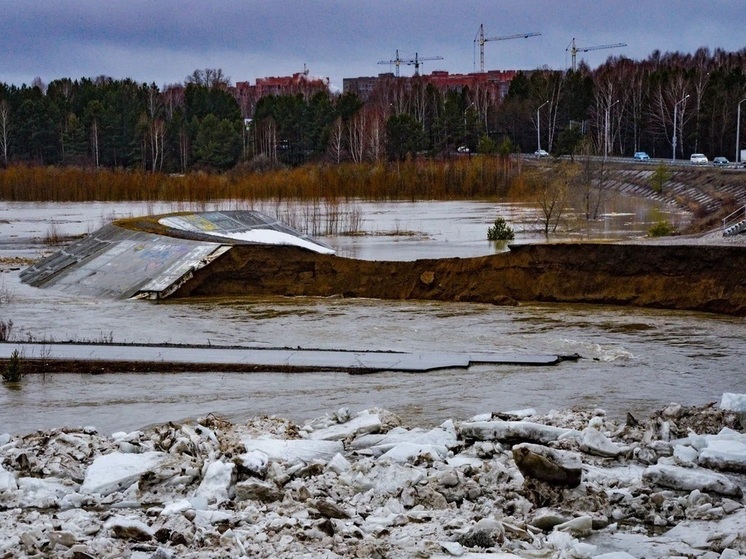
(634, 360)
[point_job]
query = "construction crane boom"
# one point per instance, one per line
(416, 61)
(481, 40)
(574, 50)
(396, 60)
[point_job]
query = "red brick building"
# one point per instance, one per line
(248, 95)
(496, 82)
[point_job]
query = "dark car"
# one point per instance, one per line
(720, 162)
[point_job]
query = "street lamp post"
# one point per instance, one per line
(675, 114)
(538, 127)
(738, 131)
(466, 135)
(606, 129)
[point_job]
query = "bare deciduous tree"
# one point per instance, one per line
(336, 140)
(357, 135)
(4, 129)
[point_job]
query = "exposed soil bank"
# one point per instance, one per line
(697, 278)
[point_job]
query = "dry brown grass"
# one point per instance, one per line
(461, 178)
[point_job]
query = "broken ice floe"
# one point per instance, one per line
(565, 484)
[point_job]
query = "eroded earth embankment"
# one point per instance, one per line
(700, 278)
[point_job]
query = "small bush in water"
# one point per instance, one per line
(500, 231)
(13, 372)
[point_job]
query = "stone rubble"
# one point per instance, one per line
(569, 484)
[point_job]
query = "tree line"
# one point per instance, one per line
(620, 107)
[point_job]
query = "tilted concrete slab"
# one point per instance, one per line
(119, 263)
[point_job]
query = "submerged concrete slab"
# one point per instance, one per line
(272, 358)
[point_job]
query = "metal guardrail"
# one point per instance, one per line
(729, 219)
(734, 223)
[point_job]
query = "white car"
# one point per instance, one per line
(541, 153)
(699, 159)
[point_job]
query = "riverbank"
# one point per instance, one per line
(681, 277)
(506, 484)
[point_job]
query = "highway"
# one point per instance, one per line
(652, 162)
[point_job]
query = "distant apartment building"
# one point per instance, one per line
(496, 82)
(248, 95)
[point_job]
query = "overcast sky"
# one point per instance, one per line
(163, 41)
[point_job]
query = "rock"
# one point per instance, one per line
(486, 533)
(547, 519)
(130, 529)
(330, 509)
(256, 490)
(554, 467)
(673, 410)
(81, 552)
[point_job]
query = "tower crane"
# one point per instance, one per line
(416, 61)
(574, 50)
(481, 40)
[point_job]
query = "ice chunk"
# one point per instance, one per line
(7, 480)
(294, 450)
(733, 402)
(216, 484)
(45, 492)
(594, 442)
(512, 431)
(689, 479)
(117, 471)
(724, 454)
(364, 422)
(406, 451)
(177, 507)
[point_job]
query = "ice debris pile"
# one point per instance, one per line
(569, 484)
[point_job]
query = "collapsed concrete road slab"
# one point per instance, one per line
(112, 357)
(215, 254)
(119, 262)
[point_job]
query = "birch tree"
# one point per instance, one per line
(4, 130)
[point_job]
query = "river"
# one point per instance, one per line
(633, 360)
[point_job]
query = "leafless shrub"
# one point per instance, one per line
(6, 329)
(53, 237)
(6, 293)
